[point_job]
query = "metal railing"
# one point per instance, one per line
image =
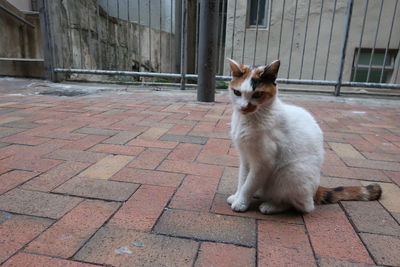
(351, 43)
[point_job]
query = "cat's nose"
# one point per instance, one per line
(245, 107)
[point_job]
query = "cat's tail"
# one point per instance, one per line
(327, 195)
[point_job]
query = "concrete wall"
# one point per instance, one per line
(106, 42)
(23, 5)
(236, 46)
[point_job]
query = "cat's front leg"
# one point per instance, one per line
(243, 173)
(244, 196)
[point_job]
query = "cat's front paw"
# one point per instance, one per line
(239, 205)
(231, 199)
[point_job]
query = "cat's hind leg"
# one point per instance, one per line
(304, 205)
(271, 208)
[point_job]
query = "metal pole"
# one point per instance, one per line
(183, 43)
(207, 51)
(349, 11)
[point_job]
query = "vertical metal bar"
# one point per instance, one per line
(349, 11)
(150, 67)
(183, 44)
(128, 34)
(305, 39)
(280, 34)
(361, 39)
(233, 28)
(161, 10)
(80, 43)
(221, 46)
(291, 41)
(207, 48)
(99, 58)
(398, 66)
(218, 35)
(139, 38)
(244, 40)
(376, 37)
(330, 38)
(107, 34)
(116, 48)
(89, 37)
(316, 45)
(269, 31)
(255, 43)
(170, 35)
(388, 43)
(197, 36)
(69, 28)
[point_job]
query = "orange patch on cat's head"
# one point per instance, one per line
(240, 73)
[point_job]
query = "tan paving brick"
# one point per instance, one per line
(355, 173)
(96, 131)
(21, 259)
(18, 231)
(37, 203)
(181, 166)
(55, 176)
(345, 150)
(384, 249)
(195, 193)
(390, 198)
(72, 231)
(332, 235)
(153, 143)
(149, 159)
(121, 138)
(282, 244)
(153, 133)
(76, 155)
(106, 167)
(123, 247)
(97, 188)
(207, 226)
(143, 208)
(117, 149)
(14, 178)
(218, 254)
(372, 164)
(148, 177)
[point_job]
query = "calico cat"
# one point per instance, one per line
(280, 148)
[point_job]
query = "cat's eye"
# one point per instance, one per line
(258, 95)
(236, 92)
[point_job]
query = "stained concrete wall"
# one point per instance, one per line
(235, 47)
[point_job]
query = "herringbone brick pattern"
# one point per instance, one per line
(140, 178)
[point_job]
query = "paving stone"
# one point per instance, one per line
(195, 193)
(14, 178)
(153, 143)
(21, 259)
(76, 155)
(184, 139)
(117, 149)
(372, 164)
(72, 230)
(21, 124)
(24, 139)
(96, 131)
(200, 169)
(229, 180)
(37, 203)
(153, 133)
(106, 167)
(335, 182)
(55, 176)
(384, 249)
(123, 247)
(217, 146)
(220, 206)
(7, 131)
(390, 198)
(148, 177)
(121, 138)
(207, 226)
(371, 217)
(329, 262)
(143, 208)
(355, 173)
(149, 159)
(188, 152)
(85, 142)
(218, 254)
(282, 244)
(395, 176)
(17, 232)
(4, 144)
(225, 160)
(97, 188)
(332, 235)
(35, 165)
(345, 150)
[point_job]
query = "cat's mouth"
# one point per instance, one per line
(249, 109)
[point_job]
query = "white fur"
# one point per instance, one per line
(281, 152)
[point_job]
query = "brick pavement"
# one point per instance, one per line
(140, 178)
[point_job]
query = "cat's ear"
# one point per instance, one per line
(270, 72)
(236, 68)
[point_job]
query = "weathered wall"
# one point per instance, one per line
(16, 39)
(236, 46)
(101, 41)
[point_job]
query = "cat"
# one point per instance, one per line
(280, 148)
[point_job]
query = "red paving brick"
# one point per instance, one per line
(171, 166)
(143, 208)
(72, 230)
(282, 244)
